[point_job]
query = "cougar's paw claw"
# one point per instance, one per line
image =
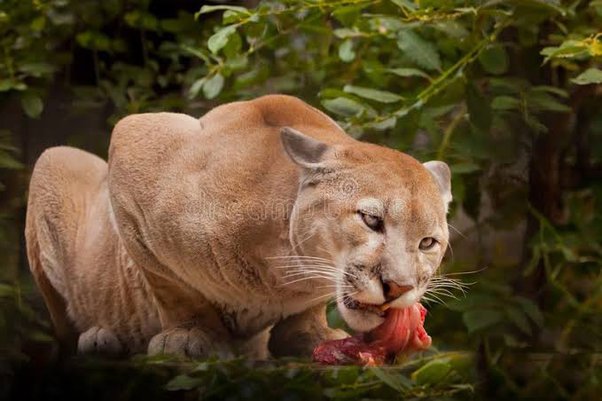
(191, 343)
(97, 340)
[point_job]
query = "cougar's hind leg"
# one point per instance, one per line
(65, 332)
(60, 179)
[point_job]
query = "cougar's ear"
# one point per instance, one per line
(440, 171)
(302, 149)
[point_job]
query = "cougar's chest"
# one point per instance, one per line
(245, 319)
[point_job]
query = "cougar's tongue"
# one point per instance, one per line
(402, 330)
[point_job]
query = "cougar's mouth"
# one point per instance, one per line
(354, 304)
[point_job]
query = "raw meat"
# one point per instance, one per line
(401, 332)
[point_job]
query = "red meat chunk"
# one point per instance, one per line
(401, 332)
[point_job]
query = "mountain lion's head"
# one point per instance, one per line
(374, 216)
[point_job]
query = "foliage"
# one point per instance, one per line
(435, 375)
(508, 93)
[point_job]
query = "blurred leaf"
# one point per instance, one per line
(373, 94)
(419, 50)
(32, 104)
(505, 103)
(405, 4)
(517, 316)
(343, 106)
(479, 109)
(183, 382)
(219, 39)
(479, 319)
(589, 76)
(7, 161)
(397, 381)
(208, 9)
(345, 33)
(346, 52)
(409, 72)
(384, 124)
(6, 290)
(213, 86)
(568, 49)
(347, 15)
(494, 59)
(196, 87)
(464, 168)
(37, 69)
(531, 310)
(433, 372)
(9, 84)
(542, 101)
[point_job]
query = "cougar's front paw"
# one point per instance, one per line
(191, 343)
(97, 340)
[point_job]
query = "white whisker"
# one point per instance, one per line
(464, 273)
(309, 273)
(300, 257)
(336, 298)
(456, 230)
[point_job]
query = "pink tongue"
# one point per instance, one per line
(402, 330)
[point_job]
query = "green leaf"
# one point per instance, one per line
(543, 101)
(196, 87)
(419, 50)
(10, 84)
(209, 9)
(219, 39)
(517, 316)
(531, 310)
(183, 382)
(396, 381)
(464, 168)
(551, 89)
(347, 15)
(568, 49)
(7, 161)
(344, 33)
(589, 76)
(6, 290)
(37, 69)
(409, 72)
(479, 319)
(383, 125)
(213, 86)
(479, 109)
(433, 372)
(343, 106)
(405, 4)
(494, 59)
(505, 103)
(346, 53)
(373, 94)
(32, 104)
(38, 24)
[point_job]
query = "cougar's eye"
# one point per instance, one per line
(427, 243)
(374, 222)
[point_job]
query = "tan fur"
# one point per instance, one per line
(176, 244)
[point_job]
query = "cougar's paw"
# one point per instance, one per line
(97, 340)
(191, 343)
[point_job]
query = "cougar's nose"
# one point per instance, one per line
(393, 290)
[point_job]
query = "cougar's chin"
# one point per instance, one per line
(360, 317)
